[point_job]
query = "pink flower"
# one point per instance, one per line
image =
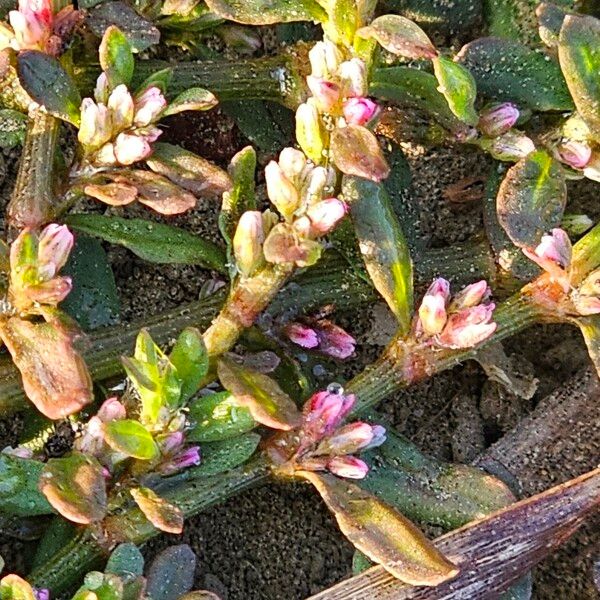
(326, 93)
(553, 254)
(354, 78)
(348, 439)
(498, 119)
(248, 242)
(471, 295)
(575, 154)
(111, 410)
(148, 106)
(432, 312)
(281, 191)
(120, 106)
(41, 593)
(359, 111)
(333, 340)
(188, 458)
(468, 327)
(349, 467)
(323, 412)
(302, 335)
(171, 442)
(56, 242)
(325, 215)
(130, 148)
(379, 436)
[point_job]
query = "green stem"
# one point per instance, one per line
(270, 78)
(32, 201)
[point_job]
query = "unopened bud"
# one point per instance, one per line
(183, 460)
(302, 335)
(325, 93)
(348, 439)
(55, 244)
(498, 119)
(510, 146)
(333, 340)
(353, 76)
(349, 467)
(148, 106)
(323, 412)
(469, 327)
(379, 436)
(309, 132)
(359, 111)
(325, 59)
(120, 105)
(325, 215)
(50, 292)
(281, 191)
(248, 241)
(471, 295)
(95, 127)
(170, 442)
(111, 410)
(432, 312)
(313, 184)
(575, 154)
(292, 162)
(130, 148)
(556, 247)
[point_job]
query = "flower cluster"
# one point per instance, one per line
(321, 335)
(171, 454)
(296, 188)
(118, 128)
(322, 443)
(35, 260)
(554, 255)
(459, 322)
(34, 26)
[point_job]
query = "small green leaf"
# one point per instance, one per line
(116, 57)
(154, 242)
(13, 125)
(382, 533)
(190, 359)
(162, 514)
(399, 35)
(218, 417)
(160, 79)
(505, 70)
(590, 329)
(140, 33)
(190, 171)
(19, 493)
(218, 457)
(44, 79)
(267, 12)
(532, 198)
(171, 573)
(579, 55)
(94, 300)
(126, 560)
(131, 438)
(459, 88)
(75, 487)
(356, 151)
(382, 245)
(263, 397)
(12, 587)
(192, 99)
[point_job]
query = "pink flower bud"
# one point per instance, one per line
(292, 162)
(120, 106)
(498, 119)
(102, 89)
(325, 93)
(148, 106)
(575, 154)
(379, 436)
(130, 148)
(333, 340)
(313, 184)
(50, 292)
(469, 327)
(302, 335)
(323, 412)
(556, 247)
(55, 246)
(359, 111)
(432, 312)
(586, 305)
(348, 439)
(182, 460)
(353, 75)
(41, 593)
(95, 127)
(248, 242)
(111, 410)
(324, 59)
(282, 192)
(349, 467)
(325, 215)
(171, 442)
(471, 295)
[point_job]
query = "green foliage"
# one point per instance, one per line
(116, 57)
(19, 494)
(126, 560)
(221, 456)
(267, 12)
(131, 438)
(458, 87)
(190, 359)
(12, 128)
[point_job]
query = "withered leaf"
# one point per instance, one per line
(163, 515)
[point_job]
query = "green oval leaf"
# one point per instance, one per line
(75, 487)
(221, 456)
(579, 55)
(190, 359)
(116, 57)
(19, 493)
(532, 198)
(162, 514)
(44, 79)
(131, 438)
(218, 417)
(171, 573)
(154, 242)
(458, 87)
(126, 560)
(506, 70)
(267, 12)
(400, 36)
(192, 99)
(263, 397)
(382, 533)
(382, 245)
(356, 151)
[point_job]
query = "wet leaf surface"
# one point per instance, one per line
(159, 512)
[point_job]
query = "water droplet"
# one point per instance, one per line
(335, 388)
